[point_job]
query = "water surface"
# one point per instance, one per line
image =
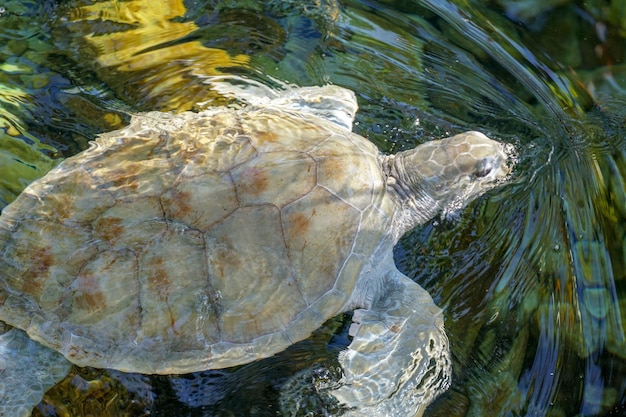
(531, 277)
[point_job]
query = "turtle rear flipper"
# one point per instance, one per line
(399, 359)
(27, 370)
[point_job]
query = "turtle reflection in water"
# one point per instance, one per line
(202, 241)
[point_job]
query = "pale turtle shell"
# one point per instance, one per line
(193, 241)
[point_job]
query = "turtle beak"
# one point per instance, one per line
(510, 154)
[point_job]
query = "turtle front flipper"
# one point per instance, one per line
(399, 358)
(27, 371)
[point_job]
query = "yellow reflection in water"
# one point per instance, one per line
(167, 69)
(21, 154)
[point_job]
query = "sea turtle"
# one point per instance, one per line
(197, 241)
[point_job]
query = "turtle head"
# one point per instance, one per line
(444, 175)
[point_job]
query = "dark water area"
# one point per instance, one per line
(531, 277)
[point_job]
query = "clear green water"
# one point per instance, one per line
(532, 277)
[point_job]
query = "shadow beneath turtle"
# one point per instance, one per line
(248, 391)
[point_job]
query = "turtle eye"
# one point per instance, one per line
(484, 167)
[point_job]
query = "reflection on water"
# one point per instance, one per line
(146, 52)
(532, 277)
